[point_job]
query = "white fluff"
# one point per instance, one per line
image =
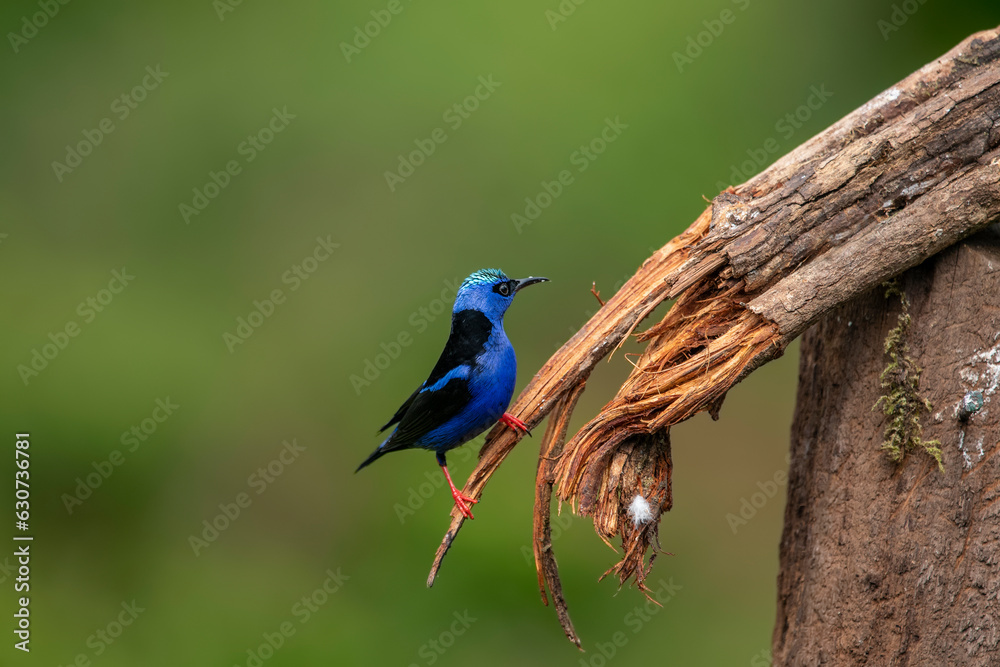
(639, 511)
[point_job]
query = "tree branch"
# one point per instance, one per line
(904, 176)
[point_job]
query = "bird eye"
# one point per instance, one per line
(503, 289)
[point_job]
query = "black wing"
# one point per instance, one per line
(470, 329)
(402, 409)
(427, 410)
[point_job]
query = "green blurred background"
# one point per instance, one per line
(689, 123)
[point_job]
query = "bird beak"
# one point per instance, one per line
(524, 282)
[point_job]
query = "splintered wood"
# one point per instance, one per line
(906, 175)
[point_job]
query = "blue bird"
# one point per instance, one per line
(471, 384)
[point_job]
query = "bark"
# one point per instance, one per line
(885, 563)
(901, 178)
(545, 557)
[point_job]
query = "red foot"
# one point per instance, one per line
(514, 423)
(460, 498)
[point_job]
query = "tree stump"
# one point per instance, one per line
(887, 563)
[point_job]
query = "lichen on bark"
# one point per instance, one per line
(902, 402)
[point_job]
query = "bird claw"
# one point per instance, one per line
(460, 503)
(515, 423)
(460, 498)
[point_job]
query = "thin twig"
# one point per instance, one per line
(597, 295)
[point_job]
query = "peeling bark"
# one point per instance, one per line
(545, 557)
(908, 174)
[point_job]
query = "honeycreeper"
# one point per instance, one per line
(472, 382)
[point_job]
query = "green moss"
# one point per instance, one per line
(902, 402)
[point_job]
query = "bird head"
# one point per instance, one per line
(490, 291)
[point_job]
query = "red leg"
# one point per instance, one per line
(514, 423)
(460, 498)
